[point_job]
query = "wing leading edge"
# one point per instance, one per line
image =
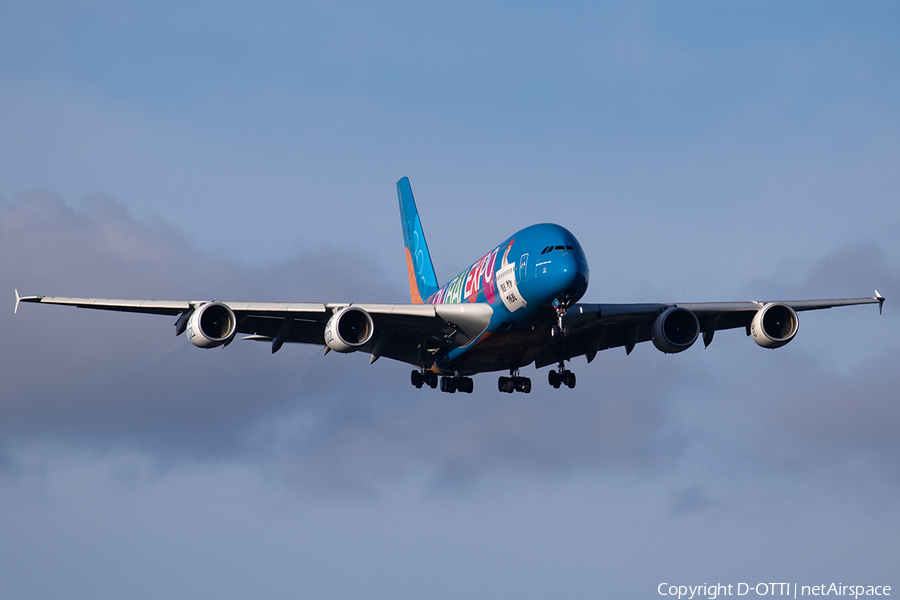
(412, 333)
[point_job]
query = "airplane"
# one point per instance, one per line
(515, 306)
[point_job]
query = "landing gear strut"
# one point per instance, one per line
(514, 383)
(559, 332)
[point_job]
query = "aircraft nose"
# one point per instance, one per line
(567, 276)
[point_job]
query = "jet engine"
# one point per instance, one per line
(349, 329)
(774, 325)
(675, 330)
(211, 325)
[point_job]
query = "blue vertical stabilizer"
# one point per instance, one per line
(422, 281)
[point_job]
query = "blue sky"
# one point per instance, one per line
(699, 151)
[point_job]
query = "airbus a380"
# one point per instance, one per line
(516, 305)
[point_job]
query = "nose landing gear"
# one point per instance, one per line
(559, 332)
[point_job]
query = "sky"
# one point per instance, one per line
(700, 151)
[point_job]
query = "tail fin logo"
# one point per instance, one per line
(415, 261)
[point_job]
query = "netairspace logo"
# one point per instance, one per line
(713, 591)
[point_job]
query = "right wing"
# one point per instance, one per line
(591, 328)
(412, 333)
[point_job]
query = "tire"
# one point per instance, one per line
(553, 378)
(448, 384)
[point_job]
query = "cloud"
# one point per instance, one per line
(107, 379)
(107, 382)
(452, 441)
(846, 422)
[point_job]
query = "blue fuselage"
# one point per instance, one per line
(524, 279)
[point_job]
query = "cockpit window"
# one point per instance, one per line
(552, 248)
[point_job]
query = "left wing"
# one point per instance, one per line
(589, 328)
(413, 333)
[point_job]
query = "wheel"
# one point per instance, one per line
(553, 378)
(468, 385)
(448, 384)
(431, 379)
(570, 379)
(417, 379)
(524, 385)
(501, 383)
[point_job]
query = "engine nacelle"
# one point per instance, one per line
(774, 325)
(211, 325)
(675, 330)
(349, 329)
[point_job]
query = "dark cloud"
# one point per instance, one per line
(107, 378)
(691, 499)
(849, 419)
(395, 431)
(852, 270)
(105, 381)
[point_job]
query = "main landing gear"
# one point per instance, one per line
(561, 377)
(448, 384)
(514, 383)
(457, 384)
(420, 378)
